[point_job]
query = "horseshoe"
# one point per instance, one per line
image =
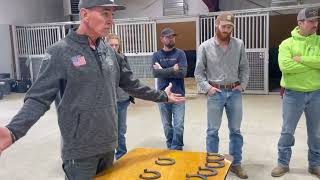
(199, 176)
(220, 164)
(170, 161)
(213, 160)
(157, 175)
(213, 172)
(219, 156)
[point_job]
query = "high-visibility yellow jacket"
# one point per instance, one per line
(303, 76)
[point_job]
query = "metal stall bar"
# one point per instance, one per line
(150, 44)
(31, 44)
(139, 43)
(249, 33)
(16, 46)
(143, 34)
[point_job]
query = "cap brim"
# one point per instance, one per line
(173, 34)
(114, 6)
(313, 18)
(226, 23)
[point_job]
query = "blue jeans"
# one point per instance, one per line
(172, 116)
(87, 168)
(294, 104)
(122, 128)
(232, 102)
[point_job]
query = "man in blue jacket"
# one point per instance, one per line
(170, 66)
(85, 73)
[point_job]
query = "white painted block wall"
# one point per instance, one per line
(30, 11)
(5, 50)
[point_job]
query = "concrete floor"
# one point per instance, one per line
(37, 156)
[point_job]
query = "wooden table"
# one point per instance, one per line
(131, 165)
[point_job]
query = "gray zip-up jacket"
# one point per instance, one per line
(87, 81)
(219, 66)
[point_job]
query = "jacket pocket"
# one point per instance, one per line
(89, 127)
(68, 121)
(98, 125)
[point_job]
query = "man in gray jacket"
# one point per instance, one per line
(85, 72)
(222, 71)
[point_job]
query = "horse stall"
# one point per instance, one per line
(262, 30)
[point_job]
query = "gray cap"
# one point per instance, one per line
(167, 32)
(308, 14)
(95, 3)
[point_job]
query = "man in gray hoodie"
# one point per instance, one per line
(85, 73)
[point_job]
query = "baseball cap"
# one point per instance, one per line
(95, 3)
(167, 32)
(225, 18)
(308, 14)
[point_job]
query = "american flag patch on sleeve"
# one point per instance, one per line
(78, 61)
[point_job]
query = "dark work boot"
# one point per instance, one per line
(279, 171)
(315, 171)
(239, 171)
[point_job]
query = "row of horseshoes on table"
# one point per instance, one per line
(210, 165)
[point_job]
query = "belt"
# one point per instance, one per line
(225, 86)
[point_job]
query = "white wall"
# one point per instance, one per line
(140, 8)
(245, 4)
(35, 11)
(197, 7)
(30, 11)
(5, 50)
(154, 8)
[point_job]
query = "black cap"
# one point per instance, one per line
(308, 14)
(96, 3)
(167, 32)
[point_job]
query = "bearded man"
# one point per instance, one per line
(222, 72)
(170, 66)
